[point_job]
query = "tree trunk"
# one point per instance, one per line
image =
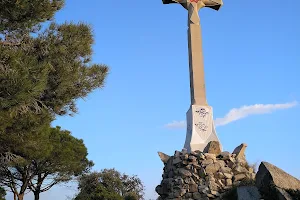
(20, 196)
(37, 196)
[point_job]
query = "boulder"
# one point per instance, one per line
(283, 195)
(268, 173)
(240, 151)
(271, 180)
(248, 193)
(164, 157)
(213, 147)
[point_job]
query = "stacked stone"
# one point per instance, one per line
(203, 175)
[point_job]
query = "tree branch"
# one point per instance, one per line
(49, 186)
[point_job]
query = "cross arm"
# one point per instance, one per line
(213, 4)
(168, 1)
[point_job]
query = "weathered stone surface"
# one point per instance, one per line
(197, 195)
(197, 175)
(170, 174)
(281, 194)
(240, 151)
(213, 186)
(248, 193)
(178, 181)
(273, 181)
(188, 195)
(210, 156)
(228, 182)
(158, 189)
(197, 166)
(207, 162)
(213, 147)
(269, 173)
(210, 196)
(221, 162)
(212, 168)
(220, 175)
(225, 155)
(239, 177)
(193, 188)
(176, 160)
(192, 158)
(177, 153)
(178, 192)
(164, 157)
(187, 180)
(225, 170)
(227, 175)
(184, 172)
(239, 169)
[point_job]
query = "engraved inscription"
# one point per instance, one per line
(201, 126)
(202, 112)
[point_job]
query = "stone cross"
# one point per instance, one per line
(200, 125)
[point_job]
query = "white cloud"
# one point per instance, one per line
(176, 125)
(240, 113)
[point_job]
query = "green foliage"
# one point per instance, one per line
(131, 196)
(2, 193)
(23, 15)
(41, 75)
(46, 73)
(99, 192)
(109, 182)
(49, 72)
(52, 157)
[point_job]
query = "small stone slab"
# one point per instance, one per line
(213, 147)
(164, 157)
(240, 151)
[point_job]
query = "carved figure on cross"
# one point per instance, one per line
(193, 7)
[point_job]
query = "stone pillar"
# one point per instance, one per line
(200, 125)
(196, 63)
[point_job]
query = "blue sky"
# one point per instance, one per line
(251, 57)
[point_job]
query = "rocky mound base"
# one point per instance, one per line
(203, 175)
(213, 174)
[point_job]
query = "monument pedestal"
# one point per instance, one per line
(200, 128)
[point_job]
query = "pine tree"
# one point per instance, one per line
(57, 158)
(42, 73)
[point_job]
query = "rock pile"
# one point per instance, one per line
(203, 175)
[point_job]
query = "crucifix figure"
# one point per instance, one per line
(200, 125)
